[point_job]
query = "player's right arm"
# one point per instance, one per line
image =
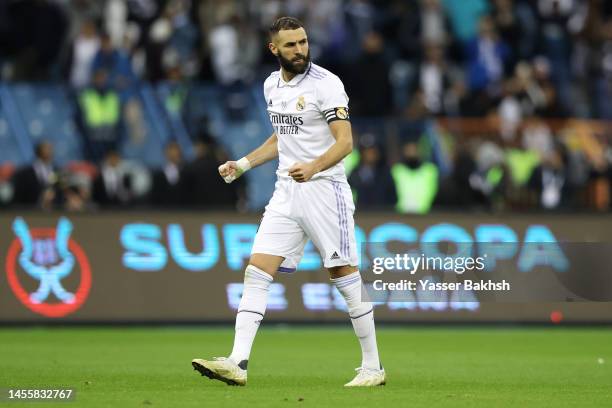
(264, 153)
(231, 170)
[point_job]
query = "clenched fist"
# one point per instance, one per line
(302, 172)
(231, 170)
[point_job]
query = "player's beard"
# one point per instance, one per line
(289, 64)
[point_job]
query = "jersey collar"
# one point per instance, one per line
(295, 80)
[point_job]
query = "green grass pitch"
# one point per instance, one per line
(306, 367)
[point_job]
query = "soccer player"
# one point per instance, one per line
(308, 108)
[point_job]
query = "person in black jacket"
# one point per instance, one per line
(372, 184)
(550, 180)
(37, 184)
(202, 184)
(112, 186)
(167, 189)
(371, 97)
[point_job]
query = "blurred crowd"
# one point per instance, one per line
(518, 63)
(460, 164)
(549, 57)
(119, 183)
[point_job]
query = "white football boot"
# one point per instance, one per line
(222, 369)
(367, 377)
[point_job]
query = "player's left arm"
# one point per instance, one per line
(341, 130)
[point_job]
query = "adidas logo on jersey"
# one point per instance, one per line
(334, 256)
(270, 103)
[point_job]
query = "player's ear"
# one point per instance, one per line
(273, 49)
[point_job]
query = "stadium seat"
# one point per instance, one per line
(10, 151)
(47, 112)
(172, 102)
(83, 167)
(238, 137)
(6, 171)
(150, 150)
(15, 144)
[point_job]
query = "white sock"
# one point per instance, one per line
(250, 312)
(362, 317)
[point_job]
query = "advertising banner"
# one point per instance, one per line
(188, 267)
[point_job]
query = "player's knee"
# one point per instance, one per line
(257, 278)
(336, 272)
(267, 263)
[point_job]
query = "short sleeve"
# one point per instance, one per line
(269, 83)
(266, 92)
(332, 99)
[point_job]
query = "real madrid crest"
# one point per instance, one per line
(341, 113)
(301, 103)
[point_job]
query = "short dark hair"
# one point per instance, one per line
(39, 147)
(284, 23)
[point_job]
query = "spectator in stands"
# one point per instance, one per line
(404, 30)
(596, 69)
(100, 114)
(491, 176)
(77, 183)
(167, 189)
(517, 26)
(589, 162)
(437, 88)
(233, 61)
(172, 34)
(77, 194)
(360, 19)
(464, 16)
(202, 184)
(537, 136)
(527, 94)
(416, 181)
(529, 60)
(84, 49)
(511, 109)
(487, 58)
(108, 59)
(371, 97)
(541, 90)
(177, 88)
(37, 184)
(372, 184)
(558, 21)
(434, 24)
(550, 180)
(533, 90)
(115, 61)
(127, 84)
(112, 186)
(457, 189)
(184, 35)
(155, 46)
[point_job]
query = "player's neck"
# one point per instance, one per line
(286, 75)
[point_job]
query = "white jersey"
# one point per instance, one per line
(300, 111)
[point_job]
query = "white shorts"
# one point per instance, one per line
(319, 209)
